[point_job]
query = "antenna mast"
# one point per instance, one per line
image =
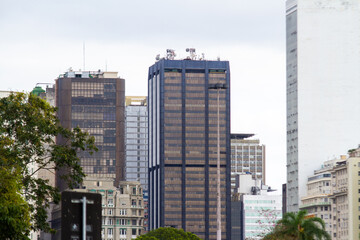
(84, 56)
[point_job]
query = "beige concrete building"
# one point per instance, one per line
(319, 188)
(345, 197)
(333, 195)
(122, 208)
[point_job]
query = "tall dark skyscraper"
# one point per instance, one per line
(183, 145)
(95, 102)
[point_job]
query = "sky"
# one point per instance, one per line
(41, 39)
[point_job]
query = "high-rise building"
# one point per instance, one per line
(247, 156)
(136, 140)
(136, 121)
(183, 117)
(322, 86)
(95, 101)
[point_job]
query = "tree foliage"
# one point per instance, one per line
(28, 127)
(14, 210)
(297, 226)
(168, 233)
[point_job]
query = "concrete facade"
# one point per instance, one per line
(345, 198)
(322, 45)
(122, 208)
(247, 156)
(317, 202)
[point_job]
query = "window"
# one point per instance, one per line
(110, 202)
(110, 232)
(109, 221)
(122, 221)
(133, 202)
(134, 190)
(122, 231)
(139, 203)
(134, 222)
(122, 212)
(110, 212)
(133, 231)
(134, 211)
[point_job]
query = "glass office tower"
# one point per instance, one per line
(95, 102)
(136, 122)
(183, 145)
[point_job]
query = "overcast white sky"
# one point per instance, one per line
(41, 39)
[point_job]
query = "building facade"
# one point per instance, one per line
(260, 213)
(122, 208)
(345, 198)
(247, 156)
(183, 145)
(95, 102)
(254, 210)
(322, 45)
(49, 96)
(136, 121)
(317, 202)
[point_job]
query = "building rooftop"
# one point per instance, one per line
(88, 74)
(241, 135)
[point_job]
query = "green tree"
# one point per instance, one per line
(168, 233)
(28, 127)
(14, 210)
(297, 226)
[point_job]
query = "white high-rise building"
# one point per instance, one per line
(323, 86)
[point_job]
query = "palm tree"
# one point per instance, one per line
(297, 226)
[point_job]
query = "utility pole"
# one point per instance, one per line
(218, 87)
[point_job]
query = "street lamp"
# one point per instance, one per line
(218, 87)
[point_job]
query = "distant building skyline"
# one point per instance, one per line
(183, 146)
(322, 72)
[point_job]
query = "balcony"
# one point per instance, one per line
(315, 204)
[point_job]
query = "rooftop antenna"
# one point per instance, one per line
(192, 53)
(84, 56)
(170, 54)
(105, 65)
